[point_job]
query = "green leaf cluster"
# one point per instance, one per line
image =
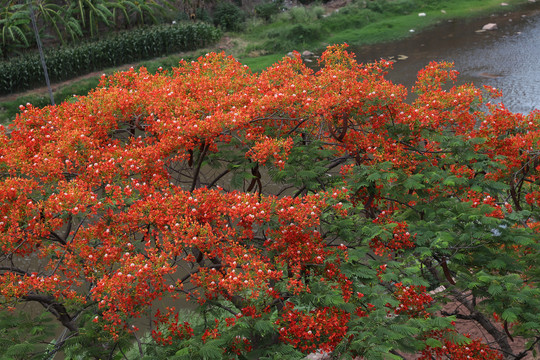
(24, 337)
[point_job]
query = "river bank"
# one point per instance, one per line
(360, 23)
(367, 40)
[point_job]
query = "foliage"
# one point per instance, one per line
(59, 19)
(24, 337)
(141, 12)
(393, 7)
(229, 17)
(14, 26)
(202, 14)
(309, 2)
(68, 20)
(122, 48)
(296, 211)
(289, 37)
(266, 10)
(92, 13)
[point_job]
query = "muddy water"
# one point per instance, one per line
(507, 58)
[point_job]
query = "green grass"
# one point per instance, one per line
(8, 109)
(381, 21)
(261, 62)
(386, 30)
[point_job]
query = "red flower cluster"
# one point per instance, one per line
(319, 329)
(240, 345)
(478, 199)
(401, 238)
(170, 329)
(412, 300)
(475, 349)
(198, 184)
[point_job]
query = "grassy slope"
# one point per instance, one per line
(396, 27)
(304, 28)
(356, 25)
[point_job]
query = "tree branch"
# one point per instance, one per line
(499, 336)
(55, 308)
(198, 168)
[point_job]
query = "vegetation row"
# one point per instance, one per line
(67, 21)
(26, 71)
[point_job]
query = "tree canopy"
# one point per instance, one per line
(295, 210)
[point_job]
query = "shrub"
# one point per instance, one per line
(376, 5)
(308, 2)
(304, 33)
(298, 14)
(202, 14)
(268, 9)
(318, 12)
(350, 17)
(290, 37)
(229, 17)
(399, 7)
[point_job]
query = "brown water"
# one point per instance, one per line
(507, 58)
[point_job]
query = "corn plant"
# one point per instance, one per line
(121, 48)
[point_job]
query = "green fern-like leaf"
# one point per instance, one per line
(457, 338)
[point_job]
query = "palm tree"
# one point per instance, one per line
(59, 19)
(93, 13)
(14, 26)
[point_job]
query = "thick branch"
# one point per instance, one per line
(53, 236)
(198, 168)
(499, 336)
(55, 308)
(515, 197)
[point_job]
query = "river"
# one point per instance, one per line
(507, 58)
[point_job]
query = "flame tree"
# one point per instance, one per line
(296, 211)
